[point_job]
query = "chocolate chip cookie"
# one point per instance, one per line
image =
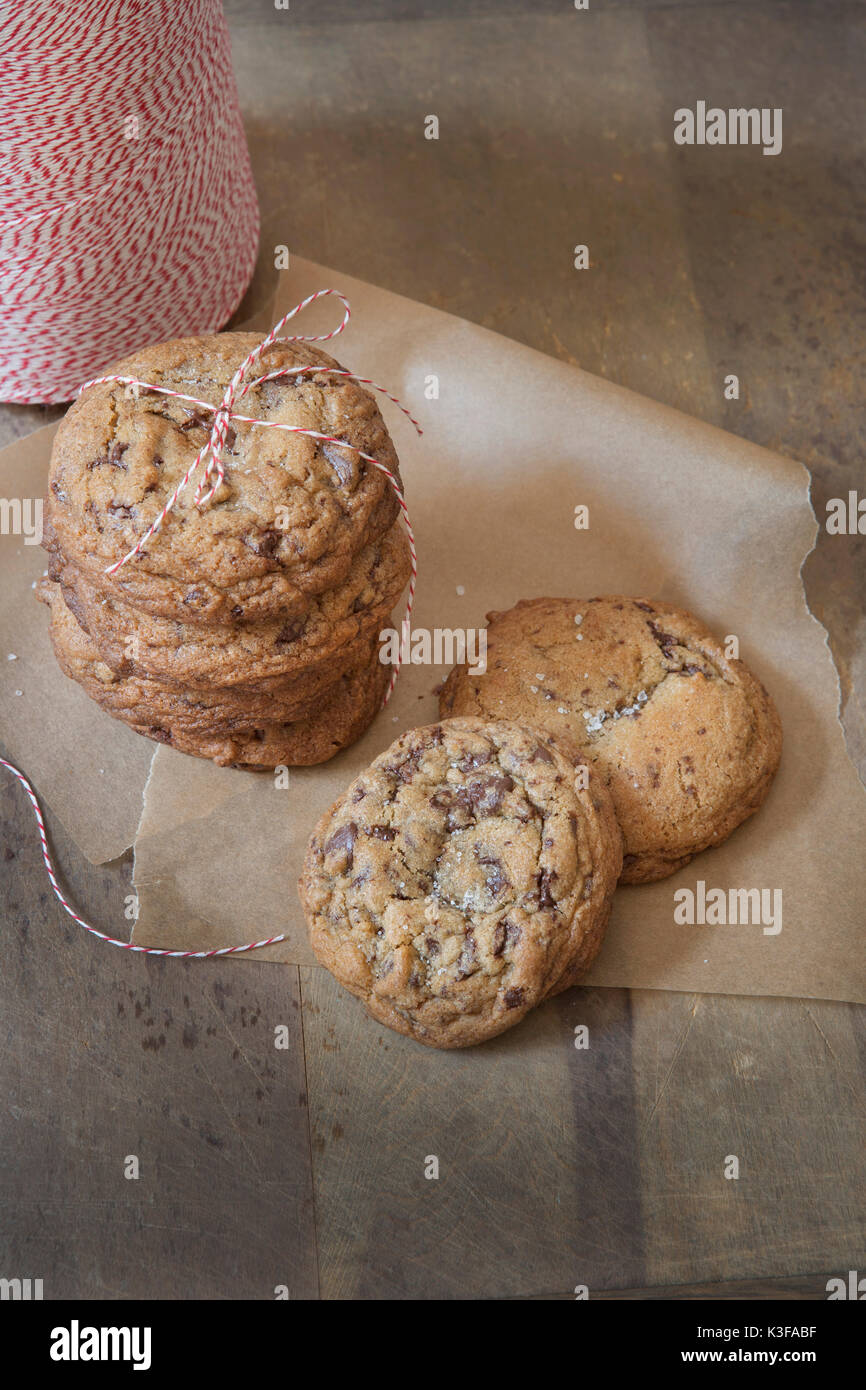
(687, 739)
(288, 521)
(252, 656)
(334, 722)
(169, 714)
(463, 877)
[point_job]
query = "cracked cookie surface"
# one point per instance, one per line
(463, 877)
(286, 524)
(687, 739)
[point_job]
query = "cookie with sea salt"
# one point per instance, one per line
(687, 739)
(463, 877)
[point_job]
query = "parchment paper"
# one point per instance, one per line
(513, 443)
(679, 510)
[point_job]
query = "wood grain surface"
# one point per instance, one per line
(304, 1166)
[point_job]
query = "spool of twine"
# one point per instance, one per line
(128, 213)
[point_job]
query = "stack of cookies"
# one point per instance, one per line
(246, 630)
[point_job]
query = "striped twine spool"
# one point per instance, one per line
(128, 212)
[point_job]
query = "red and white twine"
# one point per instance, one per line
(210, 456)
(94, 931)
(128, 211)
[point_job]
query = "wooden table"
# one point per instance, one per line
(304, 1167)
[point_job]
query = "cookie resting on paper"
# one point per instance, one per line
(466, 875)
(687, 739)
